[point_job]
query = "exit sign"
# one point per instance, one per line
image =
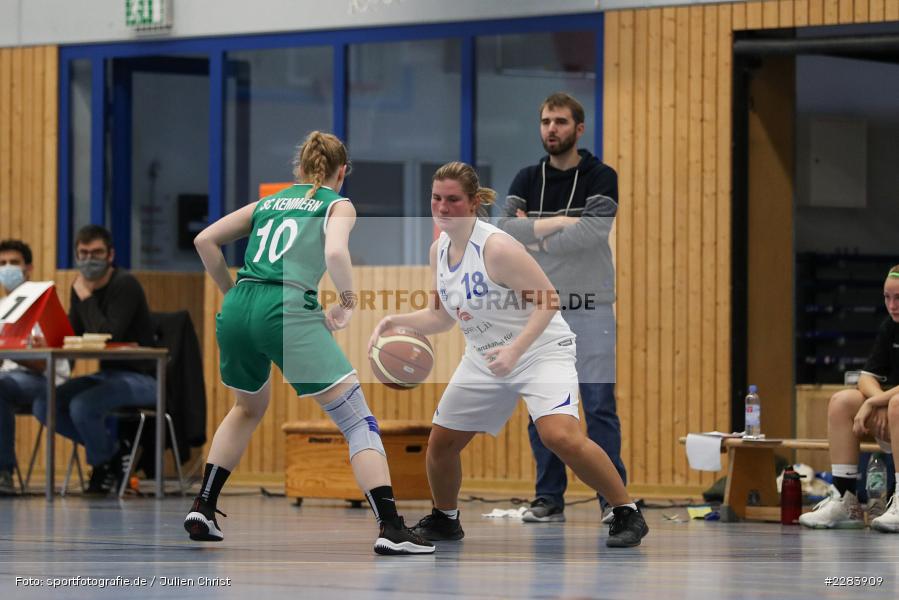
(148, 14)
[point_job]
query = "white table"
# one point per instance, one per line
(51, 355)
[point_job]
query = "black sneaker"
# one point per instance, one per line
(7, 487)
(200, 522)
(395, 538)
(544, 511)
(105, 478)
(439, 527)
(627, 529)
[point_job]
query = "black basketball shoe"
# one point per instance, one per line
(395, 539)
(106, 478)
(627, 528)
(439, 527)
(200, 522)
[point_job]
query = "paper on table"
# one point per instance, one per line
(704, 452)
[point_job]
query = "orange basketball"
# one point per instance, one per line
(401, 358)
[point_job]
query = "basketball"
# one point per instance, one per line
(401, 358)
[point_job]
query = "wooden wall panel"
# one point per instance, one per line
(667, 128)
(28, 146)
(723, 224)
(6, 55)
(693, 241)
(815, 13)
(668, 412)
(800, 13)
(623, 148)
(653, 238)
(891, 10)
(770, 325)
(638, 347)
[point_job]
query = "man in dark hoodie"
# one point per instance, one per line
(563, 209)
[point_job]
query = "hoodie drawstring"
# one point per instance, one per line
(543, 187)
(571, 196)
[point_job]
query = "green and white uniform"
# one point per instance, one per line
(272, 314)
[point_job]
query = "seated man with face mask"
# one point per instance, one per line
(104, 299)
(21, 382)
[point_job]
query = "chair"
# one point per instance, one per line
(73, 460)
(185, 391)
(128, 467)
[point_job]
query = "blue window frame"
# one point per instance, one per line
(216, 49)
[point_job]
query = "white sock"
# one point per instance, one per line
(629, 505)
(452, 513)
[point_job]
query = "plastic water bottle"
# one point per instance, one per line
(753, 414)
(876, 486)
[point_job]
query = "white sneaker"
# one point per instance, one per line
(888, 522)
(835, 513)
(609, 517)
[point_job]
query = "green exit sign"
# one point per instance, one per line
(148, 14)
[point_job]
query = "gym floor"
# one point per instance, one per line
(274, 549)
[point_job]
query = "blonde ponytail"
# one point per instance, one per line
(317, 159)
(487, 196)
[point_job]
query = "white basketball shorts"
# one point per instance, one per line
(477, 400)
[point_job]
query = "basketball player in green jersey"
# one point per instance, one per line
(272, 315)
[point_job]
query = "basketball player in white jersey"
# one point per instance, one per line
(516, 344)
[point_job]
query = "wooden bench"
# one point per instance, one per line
(318, 464)
(750, 467)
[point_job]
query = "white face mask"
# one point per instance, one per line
(11, 276)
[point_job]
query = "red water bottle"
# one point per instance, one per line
(790, 497)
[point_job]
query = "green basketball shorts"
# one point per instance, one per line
(254, 330)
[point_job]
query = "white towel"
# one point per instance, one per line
(704, 452)
(507, 513)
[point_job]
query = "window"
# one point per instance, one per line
(528, 68)
(169, 163)
(273, 98)
(80, 140)
(404, 112)
(187, 129)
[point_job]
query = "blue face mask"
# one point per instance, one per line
(11, 276)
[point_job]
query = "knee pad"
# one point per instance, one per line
(351, 415)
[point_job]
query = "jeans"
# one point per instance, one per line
(18, 389)
(595, 330)
(84, 404)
